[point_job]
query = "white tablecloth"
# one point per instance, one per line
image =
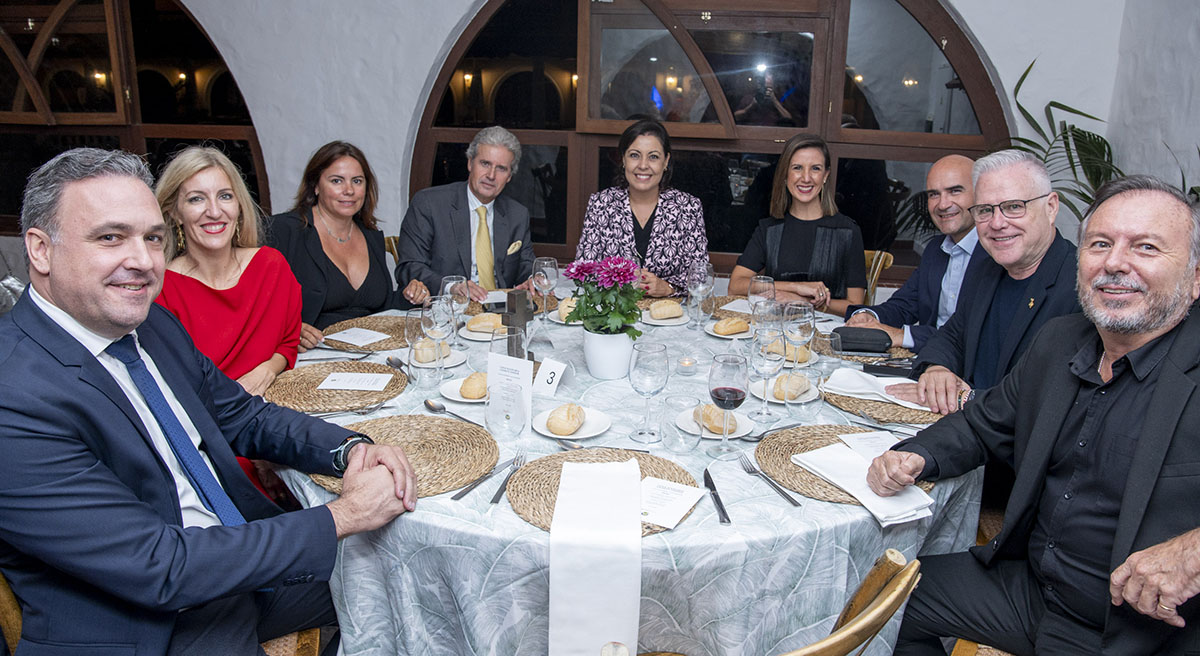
(452, 578)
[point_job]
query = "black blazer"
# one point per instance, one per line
(1051, 292)
(300, 243)
(1018, 422)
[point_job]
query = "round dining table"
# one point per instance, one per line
(471, 577)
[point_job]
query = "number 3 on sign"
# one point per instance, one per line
(549, 375)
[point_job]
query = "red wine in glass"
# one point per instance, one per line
(727, 398)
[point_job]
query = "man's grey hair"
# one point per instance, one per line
(496, 136)
(43, 191)
(1012, 157)
(1143, 183)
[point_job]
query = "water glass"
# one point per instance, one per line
(508, 340)
(674, 438)
(545, 279)
(827, 343)
(762, 288)
(455, 289)
(505, 411)
(649, 370)
(807, 406)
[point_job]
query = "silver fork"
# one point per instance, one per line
(518, 462)
(359, 411)
(749, 468)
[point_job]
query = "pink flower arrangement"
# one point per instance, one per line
(607, 296)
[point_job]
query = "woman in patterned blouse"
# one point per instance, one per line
(641, 218)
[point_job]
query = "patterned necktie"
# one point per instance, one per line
(211, 493)
(483, 252)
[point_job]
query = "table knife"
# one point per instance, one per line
(503, 486)
(716, 498)
(475, 483)
(903, 430)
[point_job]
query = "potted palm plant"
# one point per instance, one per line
(607, 305)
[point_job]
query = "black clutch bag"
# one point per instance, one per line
(864, 340)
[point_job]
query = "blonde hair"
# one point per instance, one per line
(184, 165)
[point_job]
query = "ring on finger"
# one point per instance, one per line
(1169, 609)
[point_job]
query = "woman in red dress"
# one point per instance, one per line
(239, 301)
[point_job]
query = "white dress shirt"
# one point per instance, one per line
(193, 510)
(472, 203)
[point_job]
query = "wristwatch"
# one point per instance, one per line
(343, 450)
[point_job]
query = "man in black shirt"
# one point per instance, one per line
(1028, 282)
(1098, 552)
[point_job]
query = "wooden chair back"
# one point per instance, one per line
(392, 245)
(876, 261)
(10, 616)
(878, 597)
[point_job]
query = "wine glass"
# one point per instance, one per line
(437, 318)
(766, 362)
(455, 288)
(799, 324)
(762, 288)
(545, 279)
(648, 374)
(727, 383)
(767, 314)
(414, 332)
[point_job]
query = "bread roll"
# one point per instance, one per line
(665, 309)
(474, 386)
(731, 326)
(712, 418)
(790, 353)
(565, 419)
(426, 351)
(566, 306)
(484, 323)
(791, 385)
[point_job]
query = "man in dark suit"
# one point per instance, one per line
(467, 228)
(1098, 551)
(125, 520)
(1028, 281)
(928, 298)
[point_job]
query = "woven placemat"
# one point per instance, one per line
(534, 488)
(882, 411)
(774, 454)
(297, 389)
(393, 326)
(446, 454)
(894, 352)
(475, 307)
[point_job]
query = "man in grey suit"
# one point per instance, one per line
(466, 228)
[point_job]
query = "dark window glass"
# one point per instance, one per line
(519, 72)
(733, 188)
(766, 76)
(160, 151)
(644, 72)
(897, 77)
(884, 198)
(181, 78)
(75, 74)
(20, 154)
(540, 184)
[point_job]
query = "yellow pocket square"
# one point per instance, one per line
(514, 247)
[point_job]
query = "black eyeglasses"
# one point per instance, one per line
(1011, 209)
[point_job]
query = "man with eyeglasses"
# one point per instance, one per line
(927, 300)
(1100, 548)
(1029, 281)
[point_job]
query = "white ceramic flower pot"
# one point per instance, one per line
(607, 356)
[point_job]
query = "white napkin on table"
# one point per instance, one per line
(852, 382)
(595, 558)
(841, 466)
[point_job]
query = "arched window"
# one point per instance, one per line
(892, 85)
(133, 74)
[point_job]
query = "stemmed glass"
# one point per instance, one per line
(767, 314)
(545, 279)
(727, 383)
(648, 374)
(455, 288)
(766, 363)
(799, 324)
(414, 331)
(762, 288)
(700, 282)
(437, 318)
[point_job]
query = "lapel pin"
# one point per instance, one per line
(1031, 304)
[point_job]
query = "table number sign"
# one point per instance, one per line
(549, 375)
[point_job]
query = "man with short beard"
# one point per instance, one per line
(1099, 549)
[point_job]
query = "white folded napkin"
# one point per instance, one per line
(595, 558)
(852, 382)
(739, 305)
(841, 466)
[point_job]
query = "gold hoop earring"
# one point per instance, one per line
(180, 244)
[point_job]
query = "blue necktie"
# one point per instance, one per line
(211, 493)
